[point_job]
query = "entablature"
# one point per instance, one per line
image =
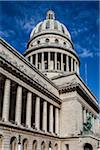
(16, 64)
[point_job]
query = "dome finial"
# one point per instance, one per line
(50, 15)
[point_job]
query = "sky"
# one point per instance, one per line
(18, 18)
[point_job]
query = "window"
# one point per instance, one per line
(13, 144)
(64, 43)
(40, 28)
(35, 145)
(69, 63)
(63, 29)
(56, 146)
(38, 42)
(47, 40)
(48, 24)
(50, 147)
(88, 147)
(25, 144)
(43, 147)
(67, 146)
(29, 58)
(56, 41)
(55, 25)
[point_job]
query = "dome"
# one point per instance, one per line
(51, 49)
(50, 24)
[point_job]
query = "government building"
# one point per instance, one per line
(44, 103)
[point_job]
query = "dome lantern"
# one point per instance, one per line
(50, 15)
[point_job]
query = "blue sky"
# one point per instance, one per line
(18, 18)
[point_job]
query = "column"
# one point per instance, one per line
(71, 64)
(31, 59)
(43, 61)
(28, 109)
(62, 65)
(36, 60)
(67, 63)
(48, 60)
(84, 115)
(56, 120)
(6, 100)
(75, 66)
(55, 61)
(18, 105)
(45, 116)
(37, 113)
(51, 119)
(77, 69)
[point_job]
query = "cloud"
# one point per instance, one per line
(86, 53)
(7, 33)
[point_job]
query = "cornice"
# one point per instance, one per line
(77, 87)
(22, 58)
(50, 46)
(16, 72)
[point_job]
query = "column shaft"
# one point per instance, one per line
(56, 120)
(55, 61)
(37, 113)
(67, 63)
(75, 66)
(36, 60)
(28, 110)
(51, 119)
(77, 69)
(31, 59)
(84, 116)
(45, 116)
(6, 100)
(18, 105)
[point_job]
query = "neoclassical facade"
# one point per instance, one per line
(44, 103)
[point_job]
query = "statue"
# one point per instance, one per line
(88, 125)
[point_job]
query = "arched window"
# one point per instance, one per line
(35, 145)
(55, 25)
(25, 144)
(48, 24)
(56, 147)
(88, 146)
(63, 29)
(13, 143)
(50, 146)
(43, 147)
(56, 41)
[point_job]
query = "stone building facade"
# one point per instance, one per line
(44, 104)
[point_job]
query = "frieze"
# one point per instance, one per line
(23, 67)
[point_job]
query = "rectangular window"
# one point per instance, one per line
(67, 146)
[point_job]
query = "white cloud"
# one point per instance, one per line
(86, 53)
(83, 52)
(7, 33)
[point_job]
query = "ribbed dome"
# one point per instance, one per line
(50, 24)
